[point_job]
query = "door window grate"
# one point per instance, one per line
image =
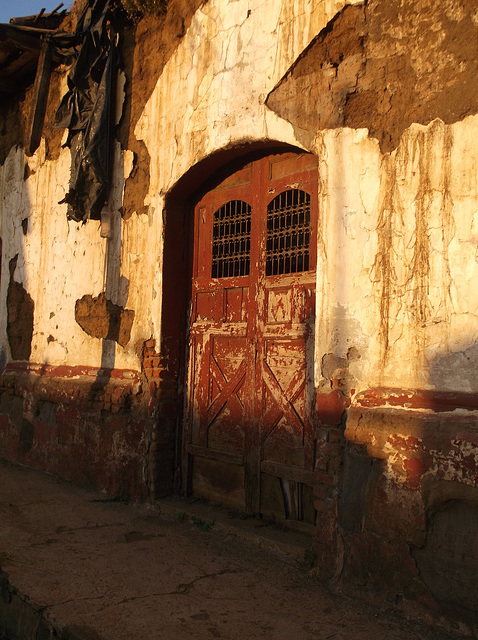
(288, 233)
(231, 240)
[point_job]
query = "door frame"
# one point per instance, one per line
(177, 264)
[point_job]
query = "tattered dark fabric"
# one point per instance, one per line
(86, 111)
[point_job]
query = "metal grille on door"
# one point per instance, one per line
(231, 240)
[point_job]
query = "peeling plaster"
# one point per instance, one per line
(459, 463)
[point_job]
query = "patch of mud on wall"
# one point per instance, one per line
(383, 66)
(100, 318)
(20, 308)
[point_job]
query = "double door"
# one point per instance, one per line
(249, 432)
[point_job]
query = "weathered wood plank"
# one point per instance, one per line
(40, 91)
(289, 473)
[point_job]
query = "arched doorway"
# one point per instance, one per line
(249, 427)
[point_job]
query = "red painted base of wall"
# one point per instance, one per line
(407, 501)
(396, 477)
(90, 426)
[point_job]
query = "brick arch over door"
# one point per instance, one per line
(249, 423)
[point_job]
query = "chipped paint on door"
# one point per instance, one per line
(249, 433)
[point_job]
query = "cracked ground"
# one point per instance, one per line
(97, 569)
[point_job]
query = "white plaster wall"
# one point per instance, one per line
(403, 224)
(59, 261)
(211, 94)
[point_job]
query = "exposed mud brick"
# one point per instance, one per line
(26, 436)
(100, 318)
(44, 434)
(332, 450)
(77, 436)
(20, 308)
(335, 435)
(168, 409)
(321, 491)
(12, 124)
(393, 511)
(15, 111)
(168, 384)
(354, 489)
(325, 478)
(320, 505)
(326, 543)
(334, 465)
(6, 405)
(448, 562)
(118, 395)
(16, 410)
(46, 412)
(392, 63)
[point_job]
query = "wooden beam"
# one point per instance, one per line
(30, 39)
(40, 96)
(22, 37)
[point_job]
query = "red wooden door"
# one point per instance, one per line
(249, 433)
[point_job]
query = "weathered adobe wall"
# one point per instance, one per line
(397, 309)
(75, 299)
(87, 274)
(385, 94)
(398, 239)
(80, 309)
(397, 236)
(218, 79)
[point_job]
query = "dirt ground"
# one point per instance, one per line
(95, 569)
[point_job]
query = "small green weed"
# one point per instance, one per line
(203, 525)
(180, 516)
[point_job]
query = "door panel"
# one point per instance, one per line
(218, 481)
(225, 414)
(249, 434)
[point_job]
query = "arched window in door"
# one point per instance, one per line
(231, 240)
(288, 233)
